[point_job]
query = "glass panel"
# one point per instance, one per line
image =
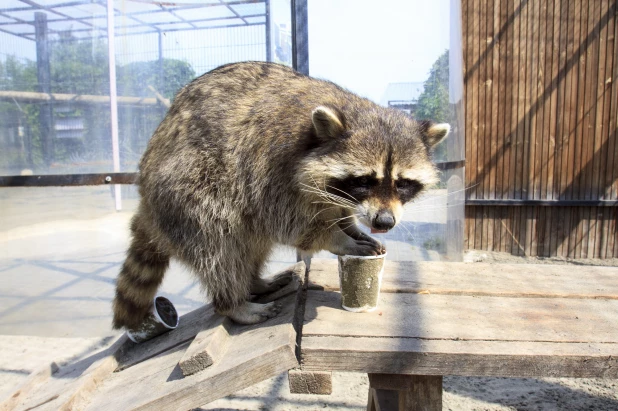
(61, 248)
(406, 55)
(158, 48)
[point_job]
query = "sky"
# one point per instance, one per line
(361, 45)
(364, 45)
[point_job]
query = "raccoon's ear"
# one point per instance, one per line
(433, 133)
(327, 123)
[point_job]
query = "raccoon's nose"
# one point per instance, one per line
(384, 220)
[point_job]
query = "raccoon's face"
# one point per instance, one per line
(372, 167)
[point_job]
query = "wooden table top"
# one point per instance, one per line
(468, 319)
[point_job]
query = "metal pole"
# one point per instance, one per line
(300, 37)
(268, 39)
(111, 49)
(44, 79)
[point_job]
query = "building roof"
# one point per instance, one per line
(402, 93)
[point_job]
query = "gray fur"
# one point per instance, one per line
(235, 166)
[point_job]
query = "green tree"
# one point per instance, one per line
(80, 66)
(433, 103)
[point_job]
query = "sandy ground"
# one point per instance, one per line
(59, 258)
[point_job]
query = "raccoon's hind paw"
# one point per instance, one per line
(263, 286)
(253, 313)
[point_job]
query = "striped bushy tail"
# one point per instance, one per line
(139, 278)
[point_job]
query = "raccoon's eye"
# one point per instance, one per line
(362, 181)
(409, 187)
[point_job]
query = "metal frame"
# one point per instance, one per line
(60, 16)
(164, 7)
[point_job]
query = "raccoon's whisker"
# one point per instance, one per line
(337, 220)
(324, 193)
(321, 211)
(349, 195)
(342, 218)
(334, 203)
(333, 198)
(428, 197)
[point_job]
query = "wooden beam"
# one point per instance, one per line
(206, 348)
(310, 382)
(35, 97)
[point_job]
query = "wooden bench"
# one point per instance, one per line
(470, 319)
(433, 319)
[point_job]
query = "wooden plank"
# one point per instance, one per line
(606, 130)
(521, 45)
(34, 380)
(310, 382)
(207, 347)
(71, 387)
(611, 182)
(459, 357)
(527, 34)
(481, 279)
(571, 68)
(552, 114)
(602, 115)
(255, 353)
(561, 104)
(592, 99)
(473, 87)
(534, 103)
(483, 116)
(498, 82)
(190, 324)
(514, 102)
(508, 97)
(466, 317)
(491, 88)
(478, 229)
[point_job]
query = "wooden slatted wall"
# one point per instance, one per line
(541, 124)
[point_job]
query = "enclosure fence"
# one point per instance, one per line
(541, 144)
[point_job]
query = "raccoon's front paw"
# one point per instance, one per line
(378, 244)
(366, 248)
(252, 313)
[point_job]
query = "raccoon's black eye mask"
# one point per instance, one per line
(408, 189)
(357, 187)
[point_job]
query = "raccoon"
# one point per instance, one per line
(255, 154)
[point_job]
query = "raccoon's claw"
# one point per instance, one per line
(372, 240)
(367, 248)
(253, 313)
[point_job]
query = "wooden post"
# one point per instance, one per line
(267, 30)
(416, 392)
(44, 79)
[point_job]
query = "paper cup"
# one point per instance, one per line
(162, 318)
(359, 281)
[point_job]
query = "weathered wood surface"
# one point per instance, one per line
(206, 348)
(70, 387)
(455, 329)
(197, 320)
(255, 353)
(34, 380)
(480, 279)
(540, 100)
(148, 375)
(310, 382)
(413, 392)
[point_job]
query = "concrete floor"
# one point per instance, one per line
(61, 249)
